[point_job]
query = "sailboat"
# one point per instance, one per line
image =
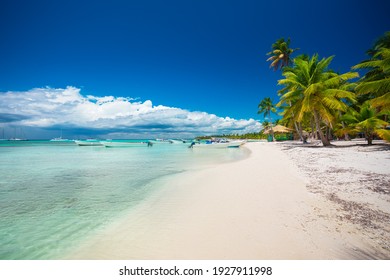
(18, 139)
(60, 139)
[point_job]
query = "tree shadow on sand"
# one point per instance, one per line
(369, 148)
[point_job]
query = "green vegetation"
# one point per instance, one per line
(327, 104)
(266, 106)
(366, 120)
(314, 92)
(280, 54)
(253, 136)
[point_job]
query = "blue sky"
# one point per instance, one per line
(195, 57)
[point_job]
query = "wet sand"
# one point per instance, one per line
(275, 204)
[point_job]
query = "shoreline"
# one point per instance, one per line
(255, 208)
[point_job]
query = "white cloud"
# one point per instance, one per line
(48, 108)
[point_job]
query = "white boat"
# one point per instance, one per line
(236, 144)
(113, 144)
(177, 141)
(218, 145)
(161, 141)
(60, 139)
(88, 142)
(17, 139)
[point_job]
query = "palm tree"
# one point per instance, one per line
(281, 58)
(289, 112)
(376, 82)
(314, 91)
(280, 54)
(365, 120)
(266, 125)
(266, 106)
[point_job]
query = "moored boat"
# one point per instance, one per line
(17, 139)
(60, 139)
(123, 144)
(212, 145)
(177, 141)
(161, 141)
(88, 142)
(236, 144)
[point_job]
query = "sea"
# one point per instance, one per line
(56, 195)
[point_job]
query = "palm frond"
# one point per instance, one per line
(336, 80)
(372, 123)
(314, 88)
(367, 64)
(325, 112)
(379, 86)
(349, 118)
(381, 101)
(334, 104)
(384, 134)
(341, 94)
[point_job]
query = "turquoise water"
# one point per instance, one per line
(53, 195)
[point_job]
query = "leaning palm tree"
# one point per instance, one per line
(266, 106)
(315, 92)
(376, 82)
(280, 54)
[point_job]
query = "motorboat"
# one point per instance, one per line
(123, 144)
(215, 144)
(161, 141)
(88, 142)
(60, 139)
(177, 141)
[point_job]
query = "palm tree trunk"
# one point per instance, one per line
(297, 128)
(369, 137)
(272, 131)
(329, 132)
(301, 131)
(346, 135)
(324, 139)
(313, 135)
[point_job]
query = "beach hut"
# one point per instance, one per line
(280, 129)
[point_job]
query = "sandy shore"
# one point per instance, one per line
(354, 179)
(279, 203)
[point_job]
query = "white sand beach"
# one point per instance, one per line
(285, 201)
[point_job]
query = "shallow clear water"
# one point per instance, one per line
(53, 195)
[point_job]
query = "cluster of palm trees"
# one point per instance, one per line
(328, 104)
